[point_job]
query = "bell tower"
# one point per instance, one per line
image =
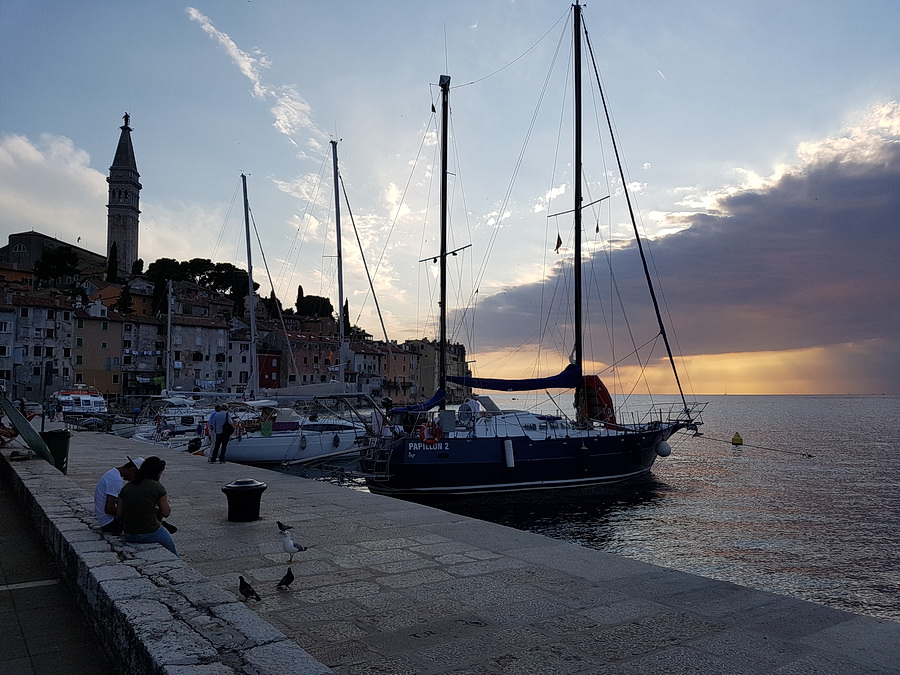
(123, 214)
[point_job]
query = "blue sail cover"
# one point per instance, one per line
(422, 407)
(567, 379)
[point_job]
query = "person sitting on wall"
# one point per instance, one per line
(143, 503)
(106, 494)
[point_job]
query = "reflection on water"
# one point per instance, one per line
(587, 516)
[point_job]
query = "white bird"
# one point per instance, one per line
(289, 546)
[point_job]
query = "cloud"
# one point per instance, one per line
(800, 262)
(67, 186)
(291, 113)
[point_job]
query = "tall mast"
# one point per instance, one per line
(340, 263)
(442, 347)
(253, 382)
(169, 340)
(579, 357)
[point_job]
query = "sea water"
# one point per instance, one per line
(809, 506)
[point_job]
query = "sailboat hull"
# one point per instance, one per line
(406, 467)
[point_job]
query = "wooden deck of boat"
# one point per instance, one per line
(393, 587)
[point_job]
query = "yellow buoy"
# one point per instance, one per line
(736, 439)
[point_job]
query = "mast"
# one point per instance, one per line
(253, 382)
(169, 340)
(442, 347)
(340, 263)
(578, 348)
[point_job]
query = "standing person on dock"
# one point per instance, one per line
(222, 426)
(143, 503)
(106, 494)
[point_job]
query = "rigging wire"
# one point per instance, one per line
(277, 303)
(365, 265)
(520, 56)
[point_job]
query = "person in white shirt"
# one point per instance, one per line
(106, 494)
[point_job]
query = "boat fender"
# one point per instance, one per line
(303, 442)
(663, 449)
(430, 433)
(336, 441)
(508, 452)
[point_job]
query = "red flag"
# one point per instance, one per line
(558, 243)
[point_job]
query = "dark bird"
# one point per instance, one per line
(289, 545)
(286, 580)
(247, 590)
(283, 527)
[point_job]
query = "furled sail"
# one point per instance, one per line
(567, 379)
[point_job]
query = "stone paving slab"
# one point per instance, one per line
(393, 587)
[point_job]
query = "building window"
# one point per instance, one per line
(127, 327)
(51, 314)
(23, 312)
(4, 326)
(79, 323)
(36, 351)
(38, 332)
(126, 360)
(36, 371)
(19, 248)
(67, 316)
(48, 351)
(67, 352)
(104, 325)
(115, 378)
(79, 360)
(79, 342)
(4, 350)
(104, 345)
(65, 372)
(79, 378)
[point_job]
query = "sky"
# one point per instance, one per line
(760, 141)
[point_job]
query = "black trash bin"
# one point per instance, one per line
(57, 442)
(244, 496)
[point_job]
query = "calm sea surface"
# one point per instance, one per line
(823, 528)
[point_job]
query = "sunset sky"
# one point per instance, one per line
(762, 141)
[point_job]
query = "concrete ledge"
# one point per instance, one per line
(151, 612)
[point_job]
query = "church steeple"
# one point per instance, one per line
(124, 200)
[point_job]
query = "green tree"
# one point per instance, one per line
(112, 264)
(56, 264)
(137, 268)
(313, 305)
(125, 303)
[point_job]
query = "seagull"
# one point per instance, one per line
(289, 545)
(283, 527)
(247, 590)
(286, 580)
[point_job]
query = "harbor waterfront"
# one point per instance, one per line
(807, 506)
(388, 586)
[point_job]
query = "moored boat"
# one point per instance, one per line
(427, 449)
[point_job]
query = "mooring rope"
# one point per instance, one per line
(760, 447)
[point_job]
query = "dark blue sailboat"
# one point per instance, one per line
(428, 450)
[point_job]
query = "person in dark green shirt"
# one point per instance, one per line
(143, 503)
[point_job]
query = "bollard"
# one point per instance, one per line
(244, 496)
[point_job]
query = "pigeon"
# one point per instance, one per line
(283, 527)
(289, 545)
(286, 580)
(247, 590)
